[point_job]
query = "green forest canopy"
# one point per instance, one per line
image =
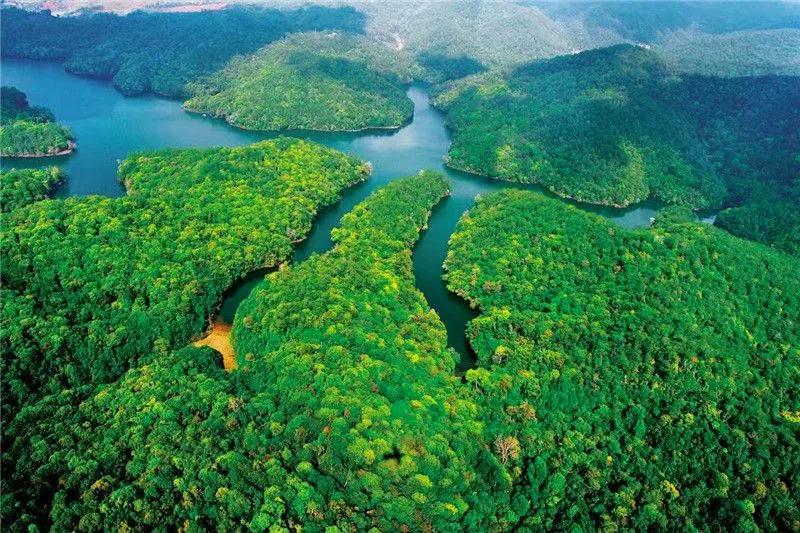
(91, 285)
(635, 379)
(159, 52)
(311, 81)
(626, 378)
(19, 188)
(343, 409)
(614, 126)
(29, 131)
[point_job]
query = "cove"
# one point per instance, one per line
(108, 126)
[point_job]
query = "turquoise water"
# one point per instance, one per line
(108, 126)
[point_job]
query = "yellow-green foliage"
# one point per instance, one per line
(344, 410)
(646, 377)
(361, 376)
(90, 285)
(19, 188)
(311, 81)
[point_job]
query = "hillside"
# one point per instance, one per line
(343, 410)
(144, 52)
(27, 131)
(635, 379)
(615, 126)
(311, 81)
(743, 53)
(644, 21)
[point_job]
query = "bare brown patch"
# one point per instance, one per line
(219, 339)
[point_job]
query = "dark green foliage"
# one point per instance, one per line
(440, 67)
(633, 379)
(767, 217)
(159, 52)
(614, 126)
(19, 188)
(93, 284)
(29, 131)
(311, 81)
(157, 447)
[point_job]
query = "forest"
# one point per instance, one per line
(616, 126)
(147, 51)
(625, 378)
(19, 188)
(93, 285)
(614, 379)
(311, 81)
(633, 379)
(343, 409)
(27, 131)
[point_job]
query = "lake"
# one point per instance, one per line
(107, 126)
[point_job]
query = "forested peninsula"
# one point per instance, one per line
(615, 126)
(637, 379)
(322, 81)
(27, 131)
(91, 286)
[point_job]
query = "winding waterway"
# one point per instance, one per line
(108, 126)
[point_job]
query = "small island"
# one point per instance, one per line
(27, 131)
(314, 81)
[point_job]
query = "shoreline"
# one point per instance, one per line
(367, 129)
(466, 170)
(66, 151)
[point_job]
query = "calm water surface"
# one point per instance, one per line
(108, 126)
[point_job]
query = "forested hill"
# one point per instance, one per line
(316, 81)
(616, 125)
(29, 131)
(642, 380)
(159, 52)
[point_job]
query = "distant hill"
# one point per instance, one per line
(616, 125)
(741, 53)
(648, 21)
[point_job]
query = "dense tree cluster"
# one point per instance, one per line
(19, 188)
(769, 217)
(343, 410)
(90, 285)
(632, 379)
(615, 125)
(367, 418)
(159, 52)
(29, 131)
(311, 81)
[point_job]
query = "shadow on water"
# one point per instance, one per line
(108, 126)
